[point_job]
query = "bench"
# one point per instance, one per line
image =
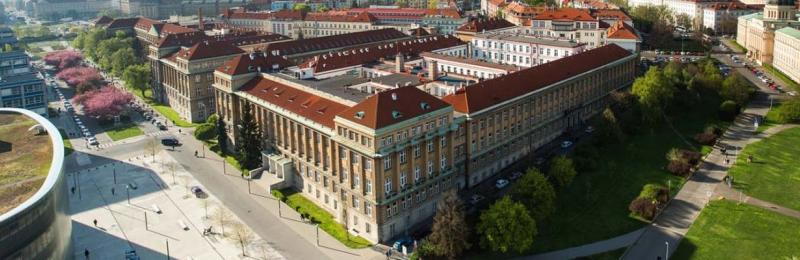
(156, 209)
(183, 225)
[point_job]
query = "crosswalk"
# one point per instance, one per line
(133, 139)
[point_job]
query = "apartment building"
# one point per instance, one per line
(437, 21)
(756, 32)
(520, 13)
(722, 17)
(468, 30)
(518, 48)
(379, 161)
(20, 87)
(570, 24)
(787, 52)
(48, 9)
(7, 36)
(163, 9)
(439, 64)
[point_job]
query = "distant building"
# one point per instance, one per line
(722, 17)
(482, 25)
(163, 9)
(34, 215)
(19, 86)
(522, 49)
(7, 36)
(756, 32)
(787, 52)
(48, 9)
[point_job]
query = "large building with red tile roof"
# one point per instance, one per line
(378, 160)
(570, 24)
(163, 9)
(722, 17)
(482, 25)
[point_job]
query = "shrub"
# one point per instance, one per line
(654, 192)
(643, 207)
(789, 111)
(705, 138)
(728, 110)
(205, 132)
(679, 168)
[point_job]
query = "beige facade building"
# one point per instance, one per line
(787, 52)
(379, 161)
(756, 32)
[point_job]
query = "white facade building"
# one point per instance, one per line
(521, 49)
(722, 17)
(786, 56)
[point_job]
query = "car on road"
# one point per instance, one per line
(501, 183)
(538, 161)
(93, 141)
(589, 130)
(475, 199)
(515, 176)
(566, 144)
(404, 241)
(162, 127)
(170, 142)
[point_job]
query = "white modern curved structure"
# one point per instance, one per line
(39, 227)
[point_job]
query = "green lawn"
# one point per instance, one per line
(67, 144)
(791, 84)
(739, 47)
(325, 219)
(774, 175)
(164, 110)
(125, 131)
(595, 206)
(727, 230)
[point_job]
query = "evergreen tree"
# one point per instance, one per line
(222, 135)
(249, 145)
(449, 233)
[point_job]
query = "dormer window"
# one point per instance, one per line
(424, 106)
(396, 114)
(360, 114)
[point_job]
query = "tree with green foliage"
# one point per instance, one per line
(137, 76)
(122, 59)
(249, 141)
(222, 135)
(433, 4)
(608, 128)
(654, 92)
(684, 21)
(562, 170)
(506, 226)
(450, 232)
(736, 88)
(536, 193)
(673, 71)
(8, 48)
(401, 3)
(302, 7)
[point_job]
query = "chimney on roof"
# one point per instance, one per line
(200, 18)
(399, 63)
(432, 70)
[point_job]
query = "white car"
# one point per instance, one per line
(475, 199)
(566, 144)
(501, 183)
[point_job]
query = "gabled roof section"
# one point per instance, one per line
(289, 15)
(621, 30)
(208, 49)
(174, 28)
(565, 14)
(611, 14)
(103, 20)
(253, 62)
(362, 17)
(443, 12)
(482, 24)
(181, 39)
(373, 53)
(307, 105)
(419, 31)
(334, 41)
(145, 23)
(477, 97)
(123, 23)
(393, 106)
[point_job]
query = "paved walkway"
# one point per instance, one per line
(736, 195)
(665, 233)
(590, 249)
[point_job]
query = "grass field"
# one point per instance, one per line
(325, 219)
(727, 230)
(769, 119)
(739, 47)
(24, 160)
(165, 110)
(125, 131)
(774, 175)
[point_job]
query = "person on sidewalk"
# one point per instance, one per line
(95, 222)
(86, 253)
(112, 192)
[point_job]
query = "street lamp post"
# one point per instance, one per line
(666, 256)
(128, 192)
(115, 174)
(317, 225)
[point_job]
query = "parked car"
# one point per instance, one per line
(162, 127)
(475, 199)
(404, 241)
(515, 176)
(538, 161)
(198, 192)
(501, 183)
(589, 129)
(566, 144)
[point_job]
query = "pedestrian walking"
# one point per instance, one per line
(86, 253)
(95, 222)
(727, 161)
(195, 153)
(112, 191)
(72, 189)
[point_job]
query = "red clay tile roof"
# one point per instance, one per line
(252, 62)
(145, 23)
(485, 94)
(480, 25)
(565, 14)
(363, 17)
(419, 31)
(208, 49)
(174, 28)
(180, 39)
(444, 12)
(240, 38)
(621, 30)
(291, 15)
(249, 15)
(373, 53)
(609, 14)
(297, 101)
(334, 41)
(407, 13)
(393, 106)
(103, 20)
(498, 2)
(524, 9)
(123, 23)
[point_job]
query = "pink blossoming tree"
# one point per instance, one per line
(77, 75)
(104, 103)
(63, 59)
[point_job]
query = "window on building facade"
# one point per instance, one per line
(402, 155)
(369, 186)
(387, 162)
(430, 146)
(388, 185)
(402, 179)
(430, 167)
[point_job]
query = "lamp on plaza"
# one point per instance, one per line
(128, 192)
(666, 256)
(115, 174)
